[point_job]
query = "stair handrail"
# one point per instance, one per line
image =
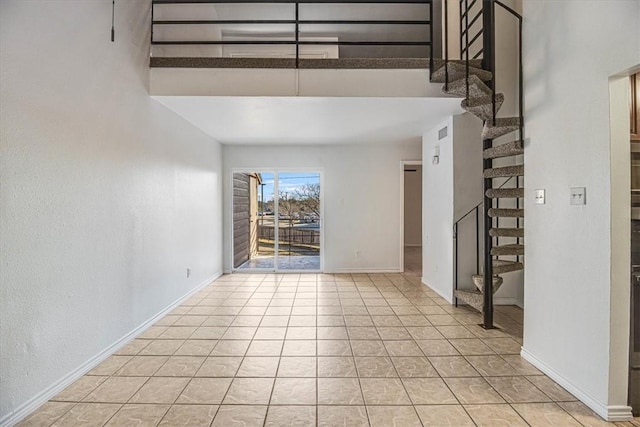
(480, 204)
(455, 238)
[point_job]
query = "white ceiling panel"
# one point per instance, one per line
(311, 120)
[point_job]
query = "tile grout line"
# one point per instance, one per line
(368, 290)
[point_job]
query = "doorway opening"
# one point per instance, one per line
(412, 217)
(277, 221)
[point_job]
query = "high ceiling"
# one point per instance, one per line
(312, 120)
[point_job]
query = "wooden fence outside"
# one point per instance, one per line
(290, 235)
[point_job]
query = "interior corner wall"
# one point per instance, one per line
(437, 210)
(107, 196)
(361, 205)
(568, 306)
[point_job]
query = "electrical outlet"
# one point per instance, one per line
(188, 272)
(539, 197)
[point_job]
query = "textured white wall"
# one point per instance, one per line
(437, 208)
(362, 197)
(106, 195)
(413, 206)
(467, 193)
(571, 50)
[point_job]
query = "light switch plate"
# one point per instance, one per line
(539, 197)
(578, 196)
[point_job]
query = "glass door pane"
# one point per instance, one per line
(299, 221)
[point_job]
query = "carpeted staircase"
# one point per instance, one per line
(478, 100)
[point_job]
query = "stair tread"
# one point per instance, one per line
(481, 100)
(506, 212)
(513, 148)
(474, 298)
(502, 266)
(497, 193)
(457, 70)
(501, 126)
(504, 171)
(477, 88)
(514, 249)
(482, 107)
(506, 232)
(478, 280)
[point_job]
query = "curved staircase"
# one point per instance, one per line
(503, 246)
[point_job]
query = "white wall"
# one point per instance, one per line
(571, 50)
(397, 83)
(361, 197)
(437, 208)
(413, 206)
(106, 195)
(467, 193)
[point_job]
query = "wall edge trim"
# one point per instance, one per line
(607, 412)
(26, 408)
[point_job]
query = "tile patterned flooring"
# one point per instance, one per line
(319, 349)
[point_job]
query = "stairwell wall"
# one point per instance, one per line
(107, 196)
(467, 193)
(571, 50)
(437, 210)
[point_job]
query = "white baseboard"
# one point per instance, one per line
(607, 412)
(448, 298)
(325, 271)
(41, 398)
(365, 270)
(619, 413)
(504, 301)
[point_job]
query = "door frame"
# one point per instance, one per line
(276, 171)
(404, 163)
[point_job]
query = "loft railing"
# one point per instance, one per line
(387, 28)
(477, 40)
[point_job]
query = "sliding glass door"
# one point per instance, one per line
(299, 221)
(276, 221)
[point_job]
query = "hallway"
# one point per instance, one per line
(318, 349)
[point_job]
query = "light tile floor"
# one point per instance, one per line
(319, 349)
(285, 262)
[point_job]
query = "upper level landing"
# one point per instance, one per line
(353, 48)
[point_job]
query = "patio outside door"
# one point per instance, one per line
(276, 221)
